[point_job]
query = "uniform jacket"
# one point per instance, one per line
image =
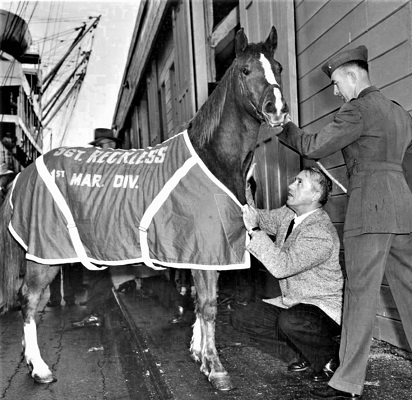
(306, 264)
(375, 136)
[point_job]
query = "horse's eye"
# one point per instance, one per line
(245, 71)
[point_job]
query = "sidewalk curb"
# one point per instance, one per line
(156, 377)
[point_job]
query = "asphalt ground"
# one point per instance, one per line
(99, 363)
(258, 371)
(137, 354)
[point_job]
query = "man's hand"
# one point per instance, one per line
(287, 119)
(250, 217)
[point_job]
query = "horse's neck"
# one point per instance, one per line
(228, 153)
(224, 135)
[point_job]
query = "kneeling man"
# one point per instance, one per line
(305, 259)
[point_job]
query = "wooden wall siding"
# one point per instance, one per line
(149, 19)
(267, 174)
(143, 122)
(167, 101)
(324, 28)
(134, 130)
(166, 84)
(170, 102)
(203, 65)
(184, 75)
(388, 326)
(155, 120)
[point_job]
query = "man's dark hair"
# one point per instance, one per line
(323, 182)
(356, 63)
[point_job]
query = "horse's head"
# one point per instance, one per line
(225, 130)
(259, 78)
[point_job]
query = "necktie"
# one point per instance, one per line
(290, 229)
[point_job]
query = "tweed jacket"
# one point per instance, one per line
(375, 136)
(306, 264)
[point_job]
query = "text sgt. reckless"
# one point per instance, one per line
(129, 157)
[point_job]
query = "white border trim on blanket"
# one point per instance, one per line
(206, 170)
(64, 208)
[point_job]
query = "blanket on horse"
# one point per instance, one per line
(159, 205)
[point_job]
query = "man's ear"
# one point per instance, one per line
(316, 196)
(352, 75)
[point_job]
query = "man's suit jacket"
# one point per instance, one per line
(375, 136)
(306, 264)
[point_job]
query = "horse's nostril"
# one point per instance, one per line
(269, 107)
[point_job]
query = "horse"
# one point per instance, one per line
(224, 134)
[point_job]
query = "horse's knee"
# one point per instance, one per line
(209, 311)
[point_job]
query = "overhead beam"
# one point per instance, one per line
(225, 27)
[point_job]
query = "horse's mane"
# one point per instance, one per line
(204, 125)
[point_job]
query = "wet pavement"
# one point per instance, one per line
(258, 372)
(138, 354)
(96, 363)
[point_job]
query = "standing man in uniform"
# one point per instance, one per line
(375, 136)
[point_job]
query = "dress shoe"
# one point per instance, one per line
(299, 366)
(91, 320)
(53, 304)
(329, 392)
(321, 376)
(327, 372)
(178, 317)
(331, 366)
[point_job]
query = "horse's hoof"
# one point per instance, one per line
(47, 379)
(221, 382)
(195, 357)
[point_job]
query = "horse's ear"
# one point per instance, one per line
(241, 41)
(272, 40)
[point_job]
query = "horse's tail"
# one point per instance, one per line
(12, 259)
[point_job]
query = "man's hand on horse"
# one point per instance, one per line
(250, 217)
(287, 119)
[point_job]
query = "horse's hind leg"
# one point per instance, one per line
(203, 346)
(36, 279)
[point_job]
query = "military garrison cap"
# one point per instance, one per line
(358, 54)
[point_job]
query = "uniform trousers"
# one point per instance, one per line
(100, 291)
(68, 274)
(367, 258)
(305, 327)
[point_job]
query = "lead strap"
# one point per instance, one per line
(331, 177)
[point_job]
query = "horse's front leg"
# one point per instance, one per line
(35, 281)
(203, 345)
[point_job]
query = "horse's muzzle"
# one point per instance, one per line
(273, 106)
